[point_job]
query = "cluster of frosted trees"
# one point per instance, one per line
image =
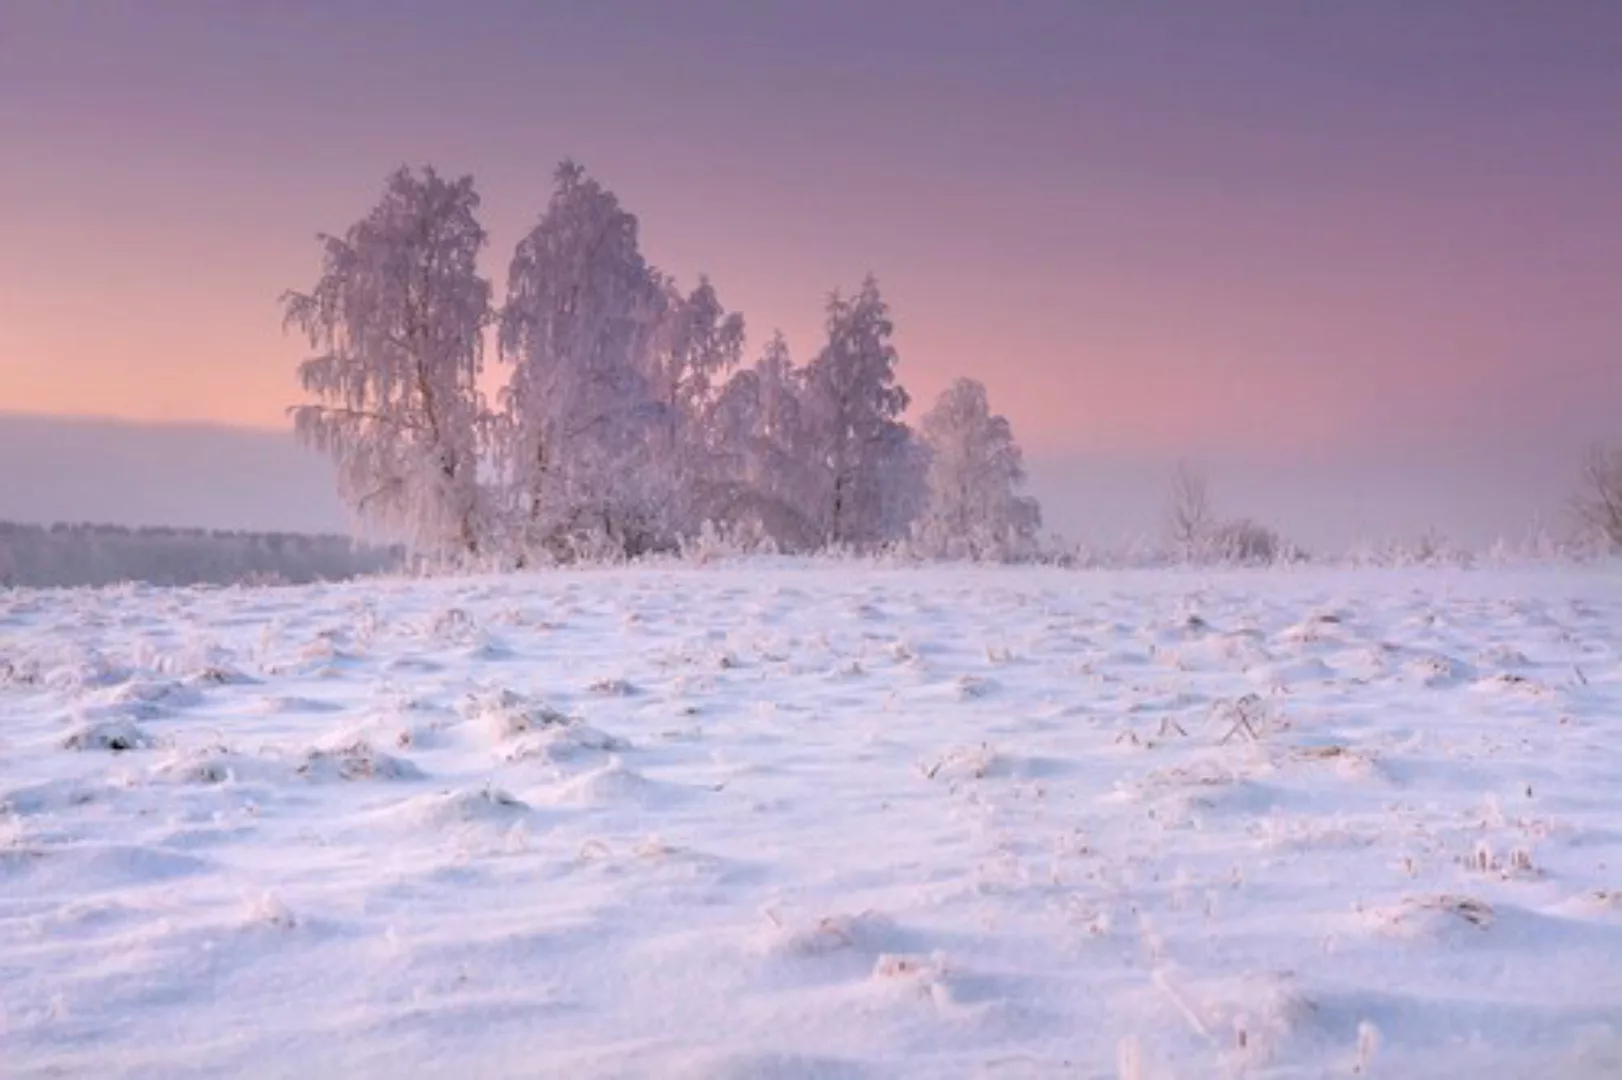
(628, 421)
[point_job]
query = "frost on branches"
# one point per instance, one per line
(975, 471)
(1197, 535)
(396, 321)
(698, 343)
(582, 409)
(628, 422)
(852, 404)
(1597, 504)
(753, 474)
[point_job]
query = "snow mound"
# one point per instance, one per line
(51, 797)
(562, 743)
(905, 977)
(868, 934)
(220, 675)
(1511, 684)
(269, 911)
(1604, 905)
(1257, 1016)
(355, 760)
(87, 672)
(985, 762)
(217, 765)
(115, 736)
(404, 725)
(1350, 762)
(1437, 670)
(506, 713)
(1442, 916)
(613, 784)
(163, 693)
(476, 806)
(1318, 627)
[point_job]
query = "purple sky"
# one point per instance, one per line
(1375, 246)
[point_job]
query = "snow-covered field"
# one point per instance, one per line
(790, 820)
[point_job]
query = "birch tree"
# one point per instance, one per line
(1190, 520)
(698, 344)
(582, 313)
(396, 323)
(975, 472)
(852, 404)
(1199, 535)
(760, 471)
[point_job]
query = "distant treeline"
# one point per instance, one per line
(84, 554)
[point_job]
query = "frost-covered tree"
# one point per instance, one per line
(697, 345)
(852, 405)
(762, 473)
(781, 425)
(1245, 542)
(1597, 503)
(975, 472)
(396, 321)
(1190, 523)
(580, 327)
(1198, 535)
(902, 461)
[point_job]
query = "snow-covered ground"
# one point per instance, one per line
(790, 820)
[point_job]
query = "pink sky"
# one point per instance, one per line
(1376, 231)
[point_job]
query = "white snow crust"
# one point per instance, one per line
(790, 820)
